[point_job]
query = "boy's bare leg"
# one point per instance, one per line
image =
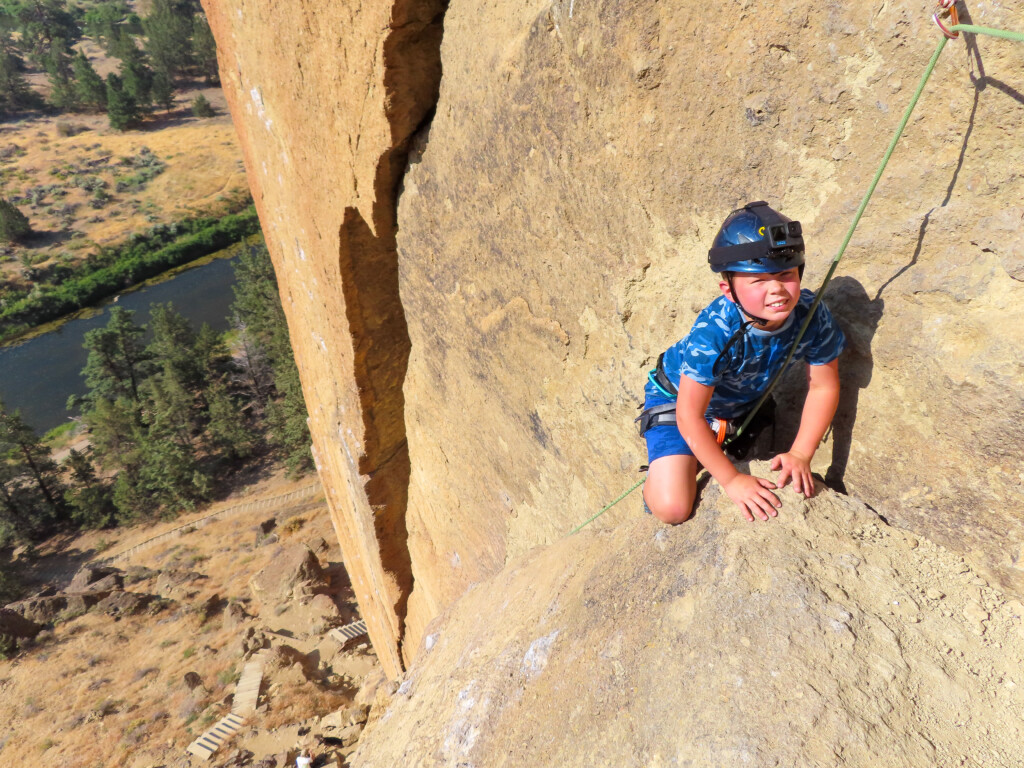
(671, 487)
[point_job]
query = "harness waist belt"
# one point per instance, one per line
(665, 413)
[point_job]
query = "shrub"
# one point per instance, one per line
(14, 224)
(201, 107)
(65, 130)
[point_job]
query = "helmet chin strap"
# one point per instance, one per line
(735, 297)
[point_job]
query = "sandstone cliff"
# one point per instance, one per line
(473, 330)
(822, 638)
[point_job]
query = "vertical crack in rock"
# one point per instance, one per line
(368, 261)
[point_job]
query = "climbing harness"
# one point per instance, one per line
(664, 414)
(945, 7)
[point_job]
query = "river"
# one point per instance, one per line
(38, 375)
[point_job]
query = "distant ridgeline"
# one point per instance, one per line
(114, 269)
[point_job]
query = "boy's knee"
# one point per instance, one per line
(669, 511)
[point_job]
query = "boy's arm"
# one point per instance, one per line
(819, 408)
(751, 494)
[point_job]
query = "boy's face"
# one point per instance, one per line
(771, 296)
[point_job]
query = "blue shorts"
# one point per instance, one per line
(665, 441)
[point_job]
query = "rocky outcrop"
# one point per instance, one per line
(327, 107)
(823, 637)
(472, 350)
(294, 571)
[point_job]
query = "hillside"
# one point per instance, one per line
(186, 167)
(153, 663)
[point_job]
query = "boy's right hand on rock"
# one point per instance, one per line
(753, 497)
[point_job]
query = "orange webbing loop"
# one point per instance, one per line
(721, 428)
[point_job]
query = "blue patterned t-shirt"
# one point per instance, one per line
(751, 362)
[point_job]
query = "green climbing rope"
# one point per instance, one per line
(609, 506)
(970, 28)
(1017, 36)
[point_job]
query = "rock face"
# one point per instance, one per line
(821, 638)
(473, 349)
(326, 108)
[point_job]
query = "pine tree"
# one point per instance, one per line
(163, 91)
(14, 90)
(205, 49)
(169, 36)
(41, 24)
(173, 347)
(113, 25)
(88, 498)
(257, 307)
(137, 78)
(58, 63)
(201, 107)
(122, 111)
(118, 362)
(33, 472)
(90, 90)
(227, 431)
(14, 224)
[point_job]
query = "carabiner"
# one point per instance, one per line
(949, 7)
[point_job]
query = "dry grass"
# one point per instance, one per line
(99, 692)
(202, 174)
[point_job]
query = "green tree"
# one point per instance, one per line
(32, 474)
(257, 308)
(10, 588)
(14, 224)
(204, 48)
(41, 25)
(168, 30)
(137, 78)
(118, 362)
(227, 431)
(113, 25)
(16, 514)
(122, 111)
(173, 347)
(59, 71)
(87, 497)
(14, 90)
(201, 107)
(163, 91)
(90, 90)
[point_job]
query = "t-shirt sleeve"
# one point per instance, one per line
(702, 346)
(825, 339)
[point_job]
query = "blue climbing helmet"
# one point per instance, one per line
(756, 239)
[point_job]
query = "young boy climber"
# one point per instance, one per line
(706, 384)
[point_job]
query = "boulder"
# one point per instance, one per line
(176, 582)
(234, 615)
(193, 680)
(14, 624)
(125, 603)
(96, 578)
(41, 610)
(294, 571)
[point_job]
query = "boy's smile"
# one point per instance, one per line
(769, 296)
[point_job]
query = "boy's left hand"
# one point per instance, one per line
(795, 467)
